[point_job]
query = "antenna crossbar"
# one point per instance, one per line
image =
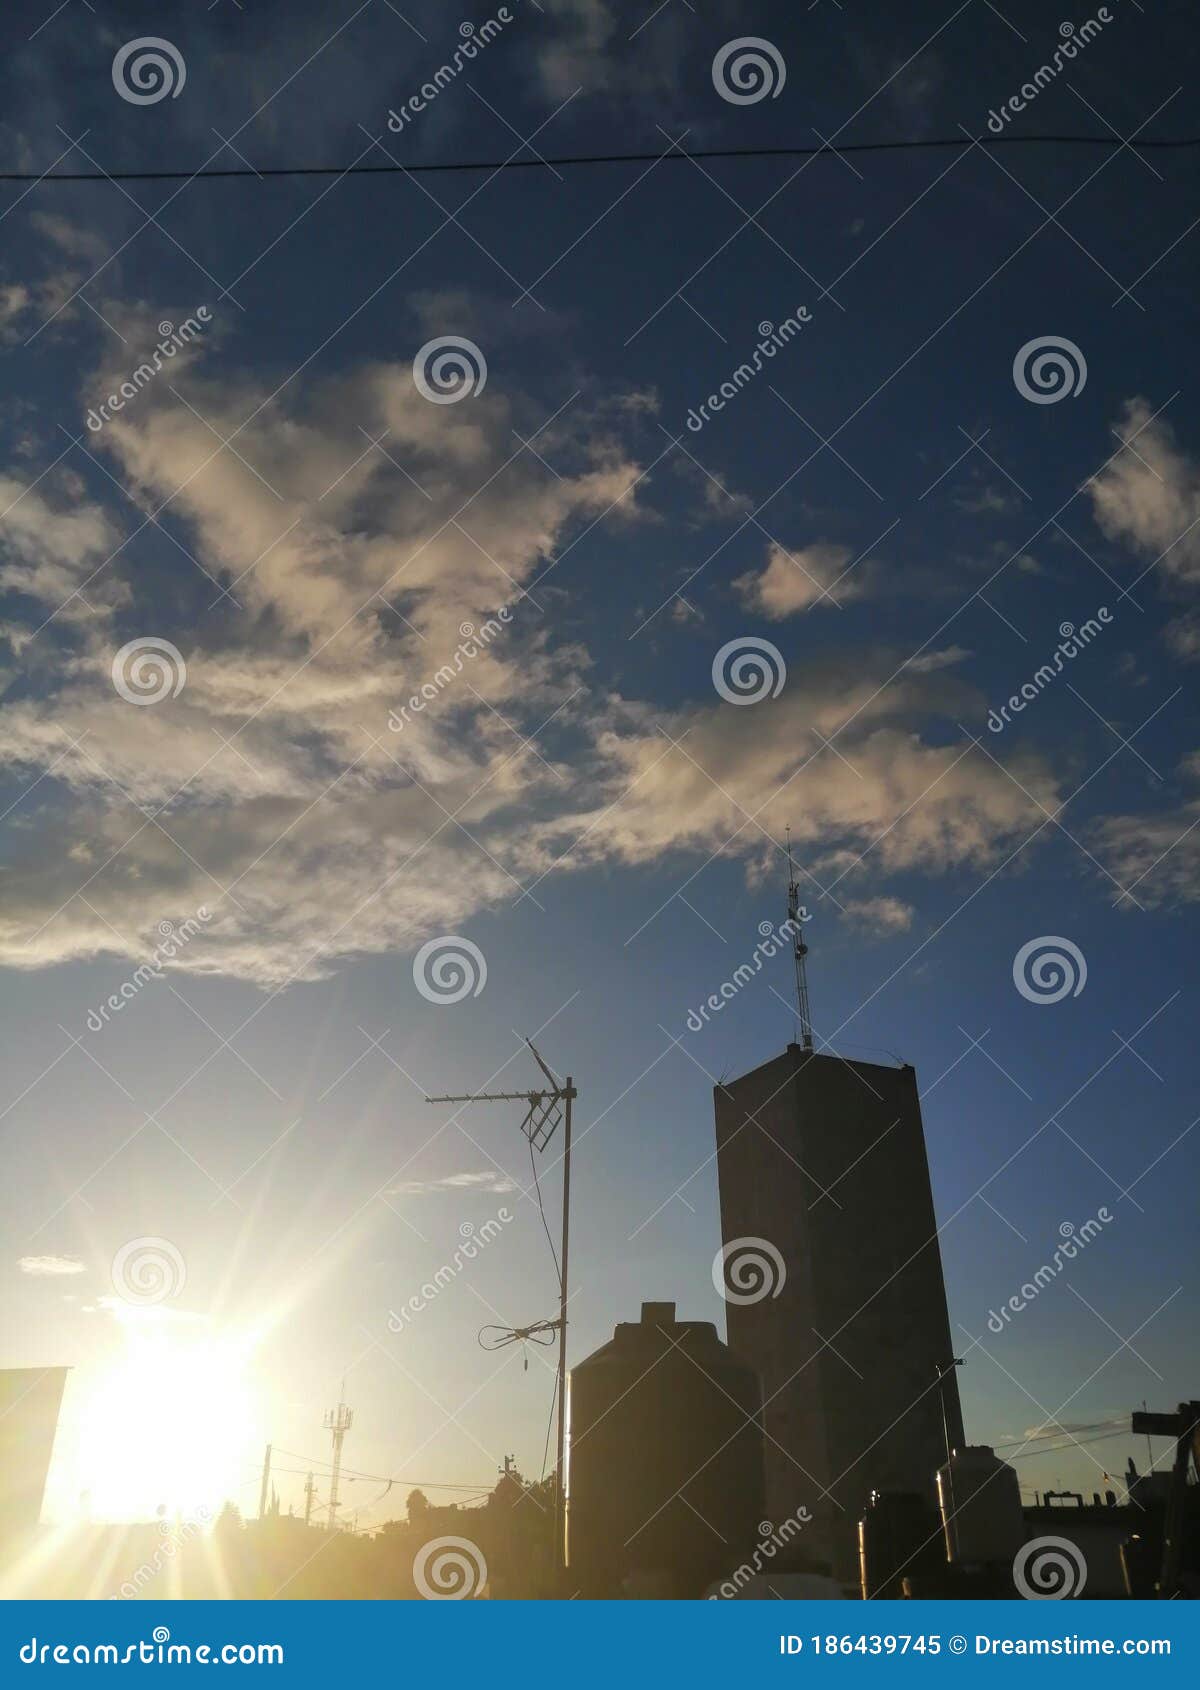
(488, 1097)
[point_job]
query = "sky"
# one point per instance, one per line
(450, 438)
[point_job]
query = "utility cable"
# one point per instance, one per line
(537, 1186)
(930, 143)
(355, 1473)
(1065, 1432)
(1066, 1448)
(549, 1424)
(500, 1337)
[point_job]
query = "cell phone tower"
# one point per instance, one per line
(338, 1422)
(795, 916)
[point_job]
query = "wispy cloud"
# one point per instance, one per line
(880, 915)
(1148, 496)
(50, 1267)
(332, 836)
(143, 1314)
(1156, 854)
(487, 1180)
(800, 578)
(930, 662)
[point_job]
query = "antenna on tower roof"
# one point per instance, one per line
(338, 1422)
(800, 951)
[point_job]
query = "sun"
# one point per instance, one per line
(170, 1425)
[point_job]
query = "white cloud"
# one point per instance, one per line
(14, 301)
(800, 578)
(930, 661)
(50, 1267)
(1156, 856)
(73, 240)
(1183, 636)
(273, 790)
(143, 1314)
(879, 915)
(49, 546)
(487, 1181)
(27, 307)
(587, 46)
(356, 587)
(1148, 496)
(985, 499)
(718, 779)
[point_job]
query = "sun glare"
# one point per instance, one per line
(170, 1425)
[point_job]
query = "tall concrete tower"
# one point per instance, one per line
(823, 1178)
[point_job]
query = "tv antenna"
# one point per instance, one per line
(800, 951)
(544, 1111)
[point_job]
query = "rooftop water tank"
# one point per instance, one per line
(665, 1462)
(897, 1537)
(980, 1501)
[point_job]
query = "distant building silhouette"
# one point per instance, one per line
(30, 1398)
(823, 1161)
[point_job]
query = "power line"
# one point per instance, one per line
(1118, 1425)
(1065, 1449)
(382, 1478)
(549, 1424)
(930, 143)
(537, 1186)
(379, 1478)
(500, 1337)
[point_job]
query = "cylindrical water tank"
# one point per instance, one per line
(897, 1536)
(980, 1501)
(665, 1461)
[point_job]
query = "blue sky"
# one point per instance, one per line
(309, 532)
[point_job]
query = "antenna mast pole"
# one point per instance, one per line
(800, 951)
(560, 1491)
(544, 1110)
